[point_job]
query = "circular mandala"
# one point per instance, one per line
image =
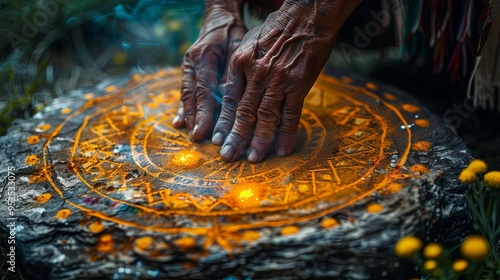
(131, 161)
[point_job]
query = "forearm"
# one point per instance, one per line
(324, 17)
(220, 13)
(235, 7)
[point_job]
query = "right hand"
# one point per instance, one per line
(205, 67)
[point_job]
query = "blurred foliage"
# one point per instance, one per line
(49, 47)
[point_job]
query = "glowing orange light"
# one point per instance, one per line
(248, 195)
(186, 158)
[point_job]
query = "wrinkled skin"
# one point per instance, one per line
(268, 76)
(204, 68)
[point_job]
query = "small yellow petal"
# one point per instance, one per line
(432, 250)
(430, 265)
(467, 176)
(492, 179)
(460, 265)
(475, 248)
(407, 246)
(478, 166)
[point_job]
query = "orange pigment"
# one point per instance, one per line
(105, 244)
(66, 111)
(63, 214)
(421, 146)
(422, 123)
(33, 139)
(289, 230)
(188, 265)
(32, 159)
(390, 96)
(44, 197)
(410, 108)
(329, 223)
(346, 79)
(185, 243)
(419, 168)
(251, 235)
(96, 227)
(143, 243)
(374, 208)
(43, 127)
(394, 188)
(186, 158)
(371, 86)
(248, 195)
(110, 88)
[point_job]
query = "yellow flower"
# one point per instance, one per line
(430, 265)
(478, 166)
(432, 250)
(467, 176)
(407, 246)
(492, 179)
(460, 265)
(474, 248)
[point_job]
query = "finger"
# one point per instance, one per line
(233, 90)
(268, 119)
(289, 123)
(245, 120)
(236, 34)
(188, 97)
(178, 121)
(206, 85)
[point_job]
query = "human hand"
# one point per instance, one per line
(269, 76)
(204, 66)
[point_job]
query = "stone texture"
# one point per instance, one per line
(106, 187)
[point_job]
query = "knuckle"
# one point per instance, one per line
(263, 136)
(246, 115)
(229, 103)
(239, 136)
(268, 114)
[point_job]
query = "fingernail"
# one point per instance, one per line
(253, 156)
(218, 138)
(227, 152)
(195, 130)
(282, 151)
